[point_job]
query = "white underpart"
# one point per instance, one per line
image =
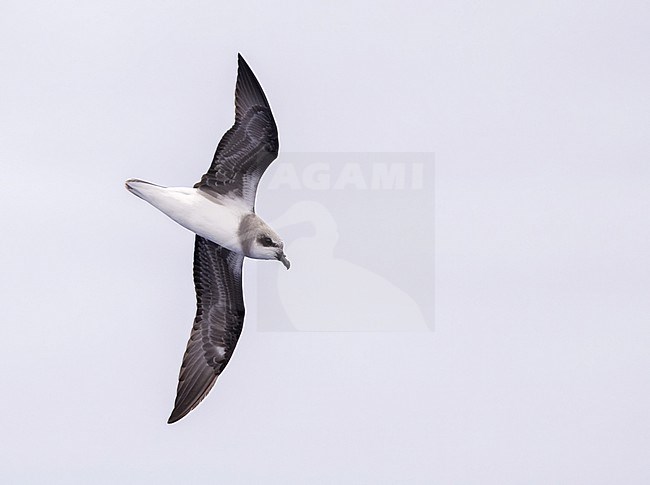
(216, 219)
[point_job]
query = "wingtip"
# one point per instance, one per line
(242, 64)
(248, 91)
(175, 416)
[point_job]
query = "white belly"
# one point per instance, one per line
(214, 219)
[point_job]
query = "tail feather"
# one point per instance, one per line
(135, 185)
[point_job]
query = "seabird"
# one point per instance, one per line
(220, 210)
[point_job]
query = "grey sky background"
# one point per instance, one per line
(537, 371)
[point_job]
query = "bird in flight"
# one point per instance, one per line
(220, 210)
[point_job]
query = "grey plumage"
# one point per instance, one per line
(217, 325)
(249, 147)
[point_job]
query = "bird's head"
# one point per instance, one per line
(260, 241)
(268, 245)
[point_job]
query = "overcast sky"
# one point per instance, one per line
(534, 365)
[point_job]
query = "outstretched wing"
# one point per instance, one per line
(249, 147)
(217, 326)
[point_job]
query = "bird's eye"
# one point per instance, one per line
(266, 241)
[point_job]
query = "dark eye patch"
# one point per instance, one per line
(266, 241)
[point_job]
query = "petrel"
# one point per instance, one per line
(220, 210)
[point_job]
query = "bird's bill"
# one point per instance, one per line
(283, 259)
